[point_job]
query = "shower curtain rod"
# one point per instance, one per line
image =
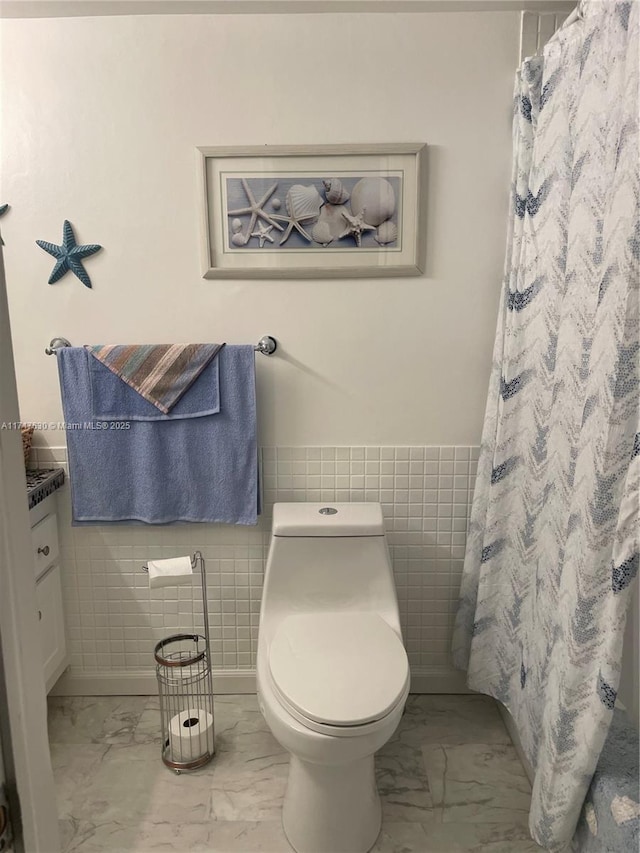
(572, 18)
(267, 345)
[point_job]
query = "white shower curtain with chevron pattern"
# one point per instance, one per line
(552, 549)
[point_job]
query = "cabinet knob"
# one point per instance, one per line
(39, 615)
(44, 550)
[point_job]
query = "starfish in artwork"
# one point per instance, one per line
(296, 222)
(263, 233)
(356, 226)
(255, 208)
(69, 255)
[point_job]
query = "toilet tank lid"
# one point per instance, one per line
(314, 519)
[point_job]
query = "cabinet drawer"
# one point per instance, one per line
(45, 543)
(51, 621)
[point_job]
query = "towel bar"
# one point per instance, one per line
(266, 345)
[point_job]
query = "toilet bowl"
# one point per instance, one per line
(332, 672)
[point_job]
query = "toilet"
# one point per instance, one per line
(332, 671)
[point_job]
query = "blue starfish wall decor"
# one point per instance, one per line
(69, 255)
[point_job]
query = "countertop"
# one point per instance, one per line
(42, 482)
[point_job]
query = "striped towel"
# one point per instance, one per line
(161, 373)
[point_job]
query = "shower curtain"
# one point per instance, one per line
(553, 541)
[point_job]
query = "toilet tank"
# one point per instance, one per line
(330, 558)
(338, 520)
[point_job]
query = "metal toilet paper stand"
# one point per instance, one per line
(185, 689)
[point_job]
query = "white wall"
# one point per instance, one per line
(100, 121)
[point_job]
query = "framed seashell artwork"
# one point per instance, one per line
(325, 211)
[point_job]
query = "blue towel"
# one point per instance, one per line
(113, 399)
(197, 469)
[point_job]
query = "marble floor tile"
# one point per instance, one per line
(249, 784)
(147, 729)
(125, 783)
(94, 719)
(248, 774)
(403, 784)
(130, 783)
(478, 783)
(401, 837)
(262, 754)
(265, 836)
(74, 765)
(477, 838)
(237, 718)
(411, 837)
(97, 836)
(442, 719)
(257, 799)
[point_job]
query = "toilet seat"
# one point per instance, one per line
(338, 672)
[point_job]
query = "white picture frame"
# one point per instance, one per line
(301, 211)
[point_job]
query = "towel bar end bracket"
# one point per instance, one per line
(267, 345)
(55, 344)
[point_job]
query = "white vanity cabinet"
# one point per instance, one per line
(46, 561)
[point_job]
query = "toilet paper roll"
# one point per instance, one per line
(191, 734)
(172, 572)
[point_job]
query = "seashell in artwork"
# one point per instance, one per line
(331, 216)
(303, 203)
(322, 233)
(334, 191)
(276, 204)
(236, 225)
(375, 199)
(239, 239)
(387, 232)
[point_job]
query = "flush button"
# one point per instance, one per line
(328, 510)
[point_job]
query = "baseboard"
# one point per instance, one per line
(434, 679)
(56, 674)
(143, 682)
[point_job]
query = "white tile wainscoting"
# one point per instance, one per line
(113, 620)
